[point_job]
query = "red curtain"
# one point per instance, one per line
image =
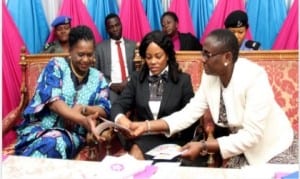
(134, 20)
(181, 8)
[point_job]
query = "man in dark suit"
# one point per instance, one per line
(108, 57)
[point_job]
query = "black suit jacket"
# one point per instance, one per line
(175, 97)
(103, 60)
(189, 42)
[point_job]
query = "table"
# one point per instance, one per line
(27, 167)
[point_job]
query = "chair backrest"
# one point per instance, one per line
(190, 62)
(282, 68)
(31, 66)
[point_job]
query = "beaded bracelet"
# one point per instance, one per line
(204, 150)
(148, 126)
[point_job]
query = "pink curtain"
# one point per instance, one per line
(80, 16)
(11, 71)
(221, 11)
(288, 35)
(134, 20)
(182, 10)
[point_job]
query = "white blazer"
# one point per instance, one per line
(263, 129)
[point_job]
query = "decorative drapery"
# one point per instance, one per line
(80, 16)
(134, 20)
(288, 35)
(98, 16)
(31, 21)
(265, 20)
(11, 71)
(153, 9)
(181, 8)
(201, 12)
(221, 11)
(202, 22)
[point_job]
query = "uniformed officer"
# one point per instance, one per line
(237, 22)
(62, 27)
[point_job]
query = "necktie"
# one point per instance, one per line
(157, 85)
(222, 111)
(121, 61)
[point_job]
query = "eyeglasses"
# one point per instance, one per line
(207, 55)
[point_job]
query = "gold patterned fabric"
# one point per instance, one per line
(222, 110)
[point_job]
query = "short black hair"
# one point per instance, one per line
(228, 40)
(110, 16)
(171, 14)
(80, 32)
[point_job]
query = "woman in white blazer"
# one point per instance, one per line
(259, 129)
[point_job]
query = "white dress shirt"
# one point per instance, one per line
(116, 76)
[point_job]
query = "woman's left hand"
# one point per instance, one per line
(92, 123)
(191, 150)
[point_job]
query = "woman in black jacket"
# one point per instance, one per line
(182, 41)
(159, 89)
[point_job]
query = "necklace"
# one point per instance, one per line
(79, 77)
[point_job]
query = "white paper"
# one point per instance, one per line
(165, 151)
(106, 124)
(124, 166)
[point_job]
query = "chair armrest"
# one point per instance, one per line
(10, 120)
(15, 115)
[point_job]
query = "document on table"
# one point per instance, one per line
(165, 152)
(124, 166)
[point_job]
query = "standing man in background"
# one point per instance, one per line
(62, 28)
(114, 57)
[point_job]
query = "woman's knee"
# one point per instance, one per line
(136, 152)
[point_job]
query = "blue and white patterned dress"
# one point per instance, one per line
(43, 133)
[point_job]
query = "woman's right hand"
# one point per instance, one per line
(125, 123)
(138, 128)
(191, 150)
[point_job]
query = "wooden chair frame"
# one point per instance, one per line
(26, 60)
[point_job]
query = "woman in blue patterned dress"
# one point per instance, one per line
(70, 95)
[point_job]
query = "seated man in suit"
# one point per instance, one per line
(114, 57)
(237, 23)
(62, 28)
